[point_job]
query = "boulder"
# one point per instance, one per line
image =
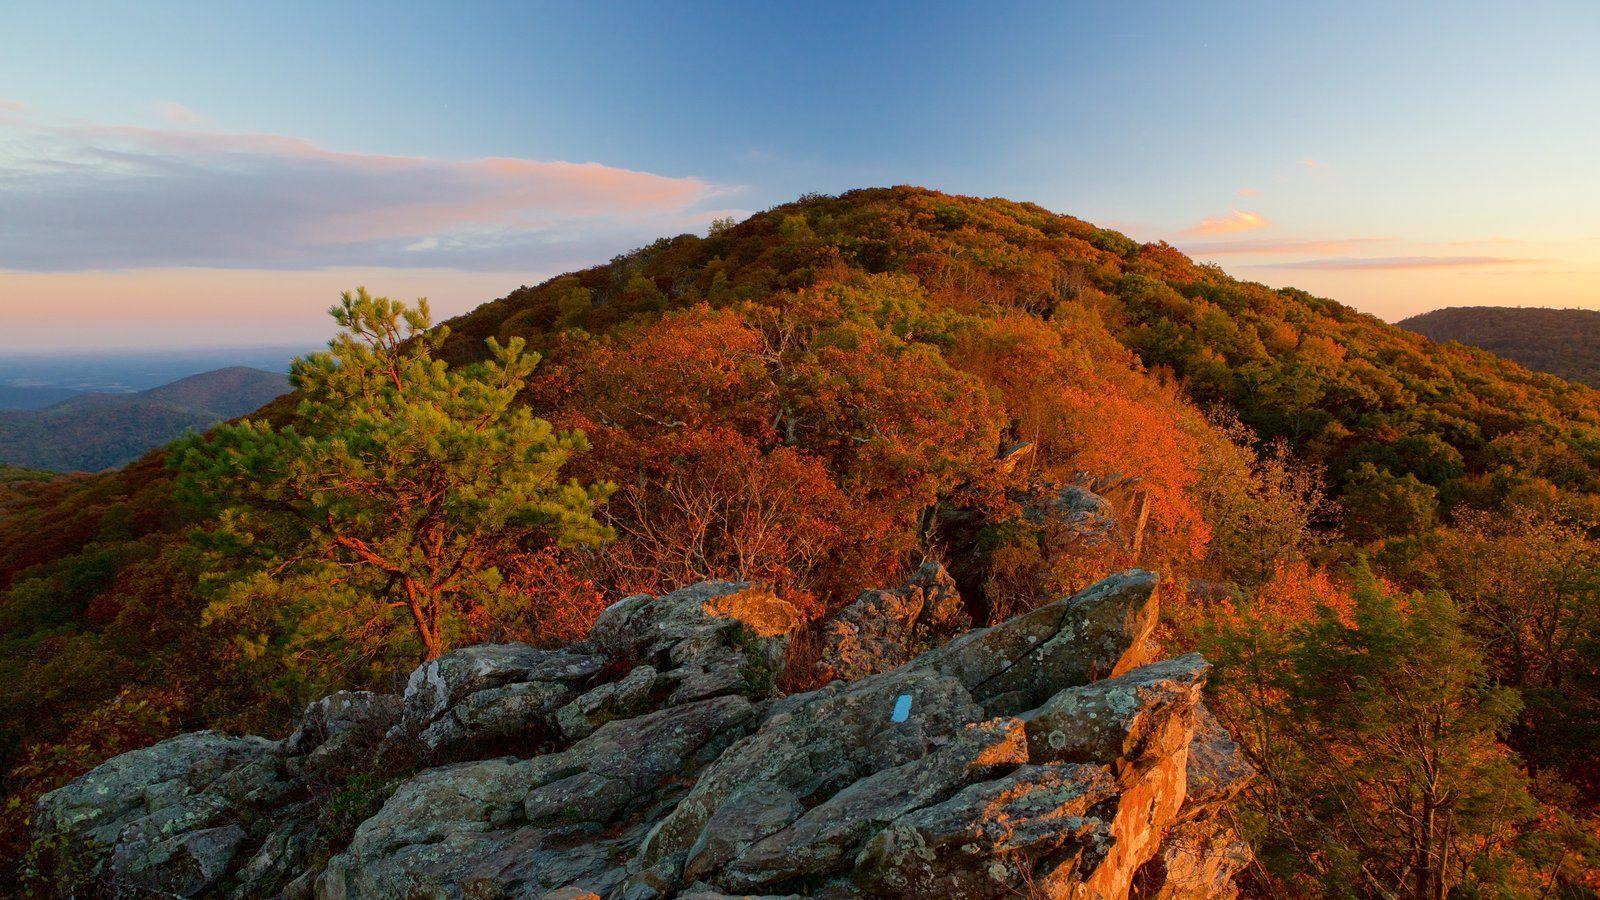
(1198, 860)
(985, 840)
(712, 638)
(826, 837)
(341, 728)
(1149, 712)
(483, 825)
(162, 819)
(885, 629)
(1099, 632)
(1201, 854)
(611, 700)
(491, 691)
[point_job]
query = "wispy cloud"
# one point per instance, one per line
(89, 196)
(177, 112)
(1346, 263)
(12, 105)
(1234, 222)
(1247, 192)
(1313, 164)
(1274, 247)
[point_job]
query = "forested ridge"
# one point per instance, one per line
(91, 431)
(1386, 546)
(1564, 342)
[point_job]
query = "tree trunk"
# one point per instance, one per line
(425, 616)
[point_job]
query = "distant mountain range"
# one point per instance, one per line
(93, 431)
(1564, 342)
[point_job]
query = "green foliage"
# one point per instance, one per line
(390, 499)
(1380, 504)
(1383, 772)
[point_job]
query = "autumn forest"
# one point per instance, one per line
(1387, 548)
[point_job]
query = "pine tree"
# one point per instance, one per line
(391, 495)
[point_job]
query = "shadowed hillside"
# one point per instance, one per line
(93, 431)
(1564, 342)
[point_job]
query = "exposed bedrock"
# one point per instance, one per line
(1044, 754)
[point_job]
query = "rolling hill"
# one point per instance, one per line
(93, 431)
(1564, 342)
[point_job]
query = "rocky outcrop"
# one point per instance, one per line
(162, 820)
(885, 629)
(1043, 755)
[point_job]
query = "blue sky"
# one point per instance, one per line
(194, 172)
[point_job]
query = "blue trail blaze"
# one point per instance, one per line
(902, 708)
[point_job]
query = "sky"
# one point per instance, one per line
(190, 174)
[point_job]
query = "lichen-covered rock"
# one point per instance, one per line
(491, 690)
(1097, 633)
(826, 837)
(1147, 712)
(335, 730)
(1201, 853)
(608, 701)
(709, 639)
(885, 629)
(1038, 756)
(161, 819)
(983, 841)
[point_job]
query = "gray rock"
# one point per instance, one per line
(708, 639)
(1149, 711)
(885, 629)
(341, 728)
(812, 746)
(1217, 769)
(987, 840)
(439, 684)
(641, 627)
(164, 817)
(491, 691)
(612, 700)
(1037, 755)
(455, 830)
(826, 837)
(1018, 664)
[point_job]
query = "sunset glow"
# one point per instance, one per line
(146, 193)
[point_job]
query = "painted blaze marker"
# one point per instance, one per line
(902, 708)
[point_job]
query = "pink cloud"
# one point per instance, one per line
(1247, 192)
(177, 112)
(1234, 222)
(1313, 164)
(195, 197)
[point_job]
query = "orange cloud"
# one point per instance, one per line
(1270, 247)
(1313, 164)
(1390, 263)
(1234, 222)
